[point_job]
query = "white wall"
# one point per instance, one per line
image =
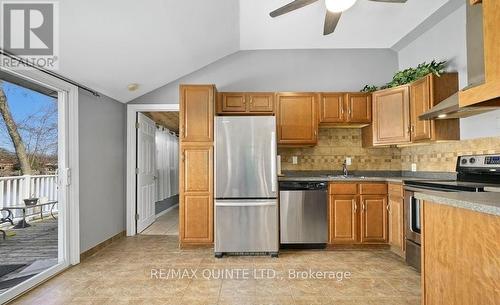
(447, 41)
(102, 168)
(288, 70)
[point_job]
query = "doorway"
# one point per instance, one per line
(153, 169)
(39, 225)
(158, 173)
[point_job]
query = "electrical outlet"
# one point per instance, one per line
(348, 160)
(295, 160)
(414, 167)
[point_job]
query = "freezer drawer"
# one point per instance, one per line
(246, 226)
(303, 217)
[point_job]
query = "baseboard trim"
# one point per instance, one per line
(357, 246)
(100, 246)
(166, 210)
(196, 245)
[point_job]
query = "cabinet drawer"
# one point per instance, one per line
(343, 189)
(373, 189)
(395, 189)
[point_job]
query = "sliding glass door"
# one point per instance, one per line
(35, 180)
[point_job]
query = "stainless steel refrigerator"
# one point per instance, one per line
(246, 207)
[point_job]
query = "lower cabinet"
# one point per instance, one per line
(196, 194)
(373, 218)
(396, 223)
(343, 219)
(358, 213)
(460, 256)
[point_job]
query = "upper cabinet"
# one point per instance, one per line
(391, 116)
(239, 103)
(359, 107)
(396, 113)
(297, 119)
(345, 108)
(331, 108)
(488, 93)
(197, 113)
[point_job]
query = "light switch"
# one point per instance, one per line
(348, 160)
(414, 167)
(295, 160)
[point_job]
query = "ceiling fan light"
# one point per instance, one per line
(337, 6)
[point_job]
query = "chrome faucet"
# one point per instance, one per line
(344, 169)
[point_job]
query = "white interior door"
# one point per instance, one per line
(146, 172)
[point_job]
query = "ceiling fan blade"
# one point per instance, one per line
(291, 7)
(390, 1)
(331, 21)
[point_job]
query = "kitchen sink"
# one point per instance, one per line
(345, 177)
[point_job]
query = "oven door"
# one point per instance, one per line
(413, 227)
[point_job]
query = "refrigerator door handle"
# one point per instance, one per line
(273, 161)
(245, 203)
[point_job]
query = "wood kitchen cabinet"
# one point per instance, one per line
(359, 107)
(297, 119)
(391, 116)
(196, 184)
(460, 262)
(488, 93)
(396, 219)
(197, 106)
(425, 93)
(249, 103)
(396, 113)
(197, 113)
(343, 217)
(331, 108)
(358, 213)
(345, 108)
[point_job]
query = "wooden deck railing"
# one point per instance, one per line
(14, 189)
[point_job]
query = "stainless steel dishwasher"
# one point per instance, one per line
(303, 213)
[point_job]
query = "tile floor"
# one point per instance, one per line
(121, 274)
(167, 224)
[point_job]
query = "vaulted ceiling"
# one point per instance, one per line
(110, 44)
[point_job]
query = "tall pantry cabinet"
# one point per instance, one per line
(196, 187)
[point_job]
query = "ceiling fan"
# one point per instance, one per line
(334, 9)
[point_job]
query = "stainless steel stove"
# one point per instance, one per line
(474, 174)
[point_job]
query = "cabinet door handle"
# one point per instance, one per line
(409, 129)
(355, 207)
(389, 208)
(412, 129)
(363, 207)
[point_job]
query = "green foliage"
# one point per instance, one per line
(410, 75)
(369, 88)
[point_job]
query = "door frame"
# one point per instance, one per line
(132, 110)
(68, 155)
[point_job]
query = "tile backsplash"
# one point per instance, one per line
(335, 144)
(442, 157)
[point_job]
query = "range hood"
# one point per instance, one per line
(450, 107)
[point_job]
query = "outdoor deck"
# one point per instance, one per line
(37, 242)
(27, 252)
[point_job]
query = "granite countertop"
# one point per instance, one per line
(360, 176)
(336, 178)
(482, 202)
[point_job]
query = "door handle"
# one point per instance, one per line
(273, 161)
(355, 207)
